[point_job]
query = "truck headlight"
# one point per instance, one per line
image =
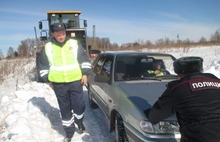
(163, 127)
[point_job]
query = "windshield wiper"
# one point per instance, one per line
(159, 78)
(143, 78)
(152, 78)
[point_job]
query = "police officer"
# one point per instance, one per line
(195, 98)
(157, 69)
(59, 64)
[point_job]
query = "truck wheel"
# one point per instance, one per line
(92, 104)
(120, 133)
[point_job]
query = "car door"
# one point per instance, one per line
(103, 66)
(106, 87)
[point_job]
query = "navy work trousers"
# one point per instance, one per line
(72, 105)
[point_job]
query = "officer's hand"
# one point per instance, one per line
(51, 85)
(84, 80)
(157, 72)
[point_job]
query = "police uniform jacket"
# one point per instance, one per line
(43, 63)
(196, 101)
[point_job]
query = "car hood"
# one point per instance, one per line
(143, 94)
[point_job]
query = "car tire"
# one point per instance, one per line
(92, 104)
(120, 133)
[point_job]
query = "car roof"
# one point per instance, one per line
(114, 53)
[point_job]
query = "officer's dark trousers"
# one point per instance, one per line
(71, 103)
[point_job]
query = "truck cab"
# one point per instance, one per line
(71, 19)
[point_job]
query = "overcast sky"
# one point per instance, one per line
(122, 21)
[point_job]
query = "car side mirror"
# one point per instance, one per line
(85, 23)
(102, 79)
(40, 25)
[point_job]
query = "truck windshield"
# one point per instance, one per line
(71, 20)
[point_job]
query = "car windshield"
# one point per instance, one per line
(140, 66)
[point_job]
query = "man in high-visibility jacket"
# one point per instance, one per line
(59, 64)
(157, 70)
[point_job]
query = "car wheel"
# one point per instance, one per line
(92, 104)
(120, 133)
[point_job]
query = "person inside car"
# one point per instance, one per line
(157, 69)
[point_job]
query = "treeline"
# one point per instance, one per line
(28, 47)
(104, 44)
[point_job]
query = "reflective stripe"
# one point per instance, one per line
(43, 72)
(49, 46)
(79, 116)
(60, 68)
(86, 65)
(152, 72)
(68, 123)
(74, 51)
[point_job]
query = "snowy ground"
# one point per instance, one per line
(29, 111)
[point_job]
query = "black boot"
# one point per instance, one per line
(67, 139)
(81, 128)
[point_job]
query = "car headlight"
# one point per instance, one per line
(163, 127)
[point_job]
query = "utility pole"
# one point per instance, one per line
(36, 46)
(93, 44)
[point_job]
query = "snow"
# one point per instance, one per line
(29, 110)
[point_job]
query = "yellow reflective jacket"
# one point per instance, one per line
(152, 72)
(64, 66)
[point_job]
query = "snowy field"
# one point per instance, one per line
(29, 111)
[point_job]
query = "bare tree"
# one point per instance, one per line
(136, 44)
(160, 42)
(167, 41)
(22, 50)
(1, 55)
(202, 40)
(148, 43)
(114, 46)
(26, 48)
(10, 52)
(215, 36)
(105, 43)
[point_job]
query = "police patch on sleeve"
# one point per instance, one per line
(203, 84)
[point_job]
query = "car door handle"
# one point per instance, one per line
(110, 101)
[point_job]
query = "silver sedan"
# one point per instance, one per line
(123, 85)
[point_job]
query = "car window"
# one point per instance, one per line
(98, 66)
(106, 69)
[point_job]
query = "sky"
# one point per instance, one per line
(29, 110)
(119, 20)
